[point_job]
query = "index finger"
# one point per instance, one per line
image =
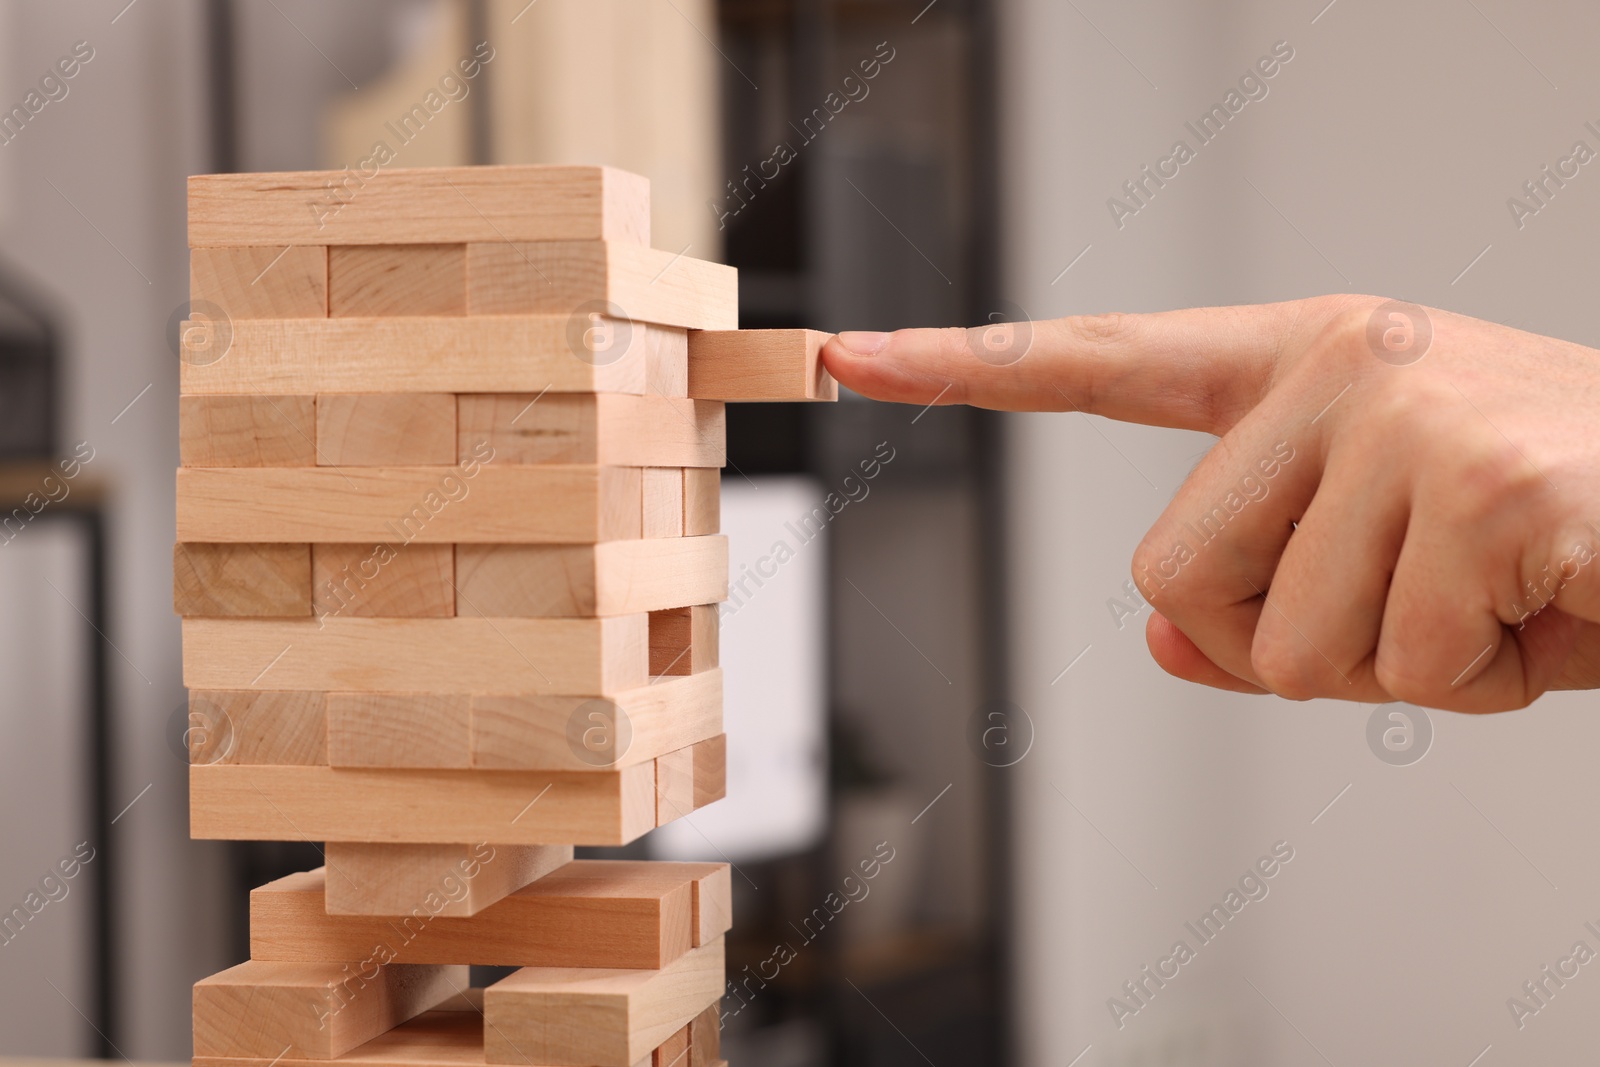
(1197, 369)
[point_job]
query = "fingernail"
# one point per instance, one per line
(864, 344)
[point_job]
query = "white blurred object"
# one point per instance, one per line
(775, 681)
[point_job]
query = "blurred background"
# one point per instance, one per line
(953, 665)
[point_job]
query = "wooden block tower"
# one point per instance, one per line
(448, 563)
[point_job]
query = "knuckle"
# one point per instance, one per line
(1286, 669)
(1403, 685)
(1107, 330)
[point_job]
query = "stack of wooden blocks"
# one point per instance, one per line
(448, 563)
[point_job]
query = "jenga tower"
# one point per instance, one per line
(448, 561)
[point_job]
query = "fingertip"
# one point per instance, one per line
(1180, 657)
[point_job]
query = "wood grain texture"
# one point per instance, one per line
(611, 913)
(383, 580)
(610, 578)
(661, 505)
(713, 902)
(683, 640)
(609, 429)
(261, 282)
(702, 501)
(591, 1015)
(398, 505)
(674, 1051)
(666, 364)
(247, 431)
(460, 655)
(674, 785)
(260, 726)
(643, 284)
(311, 1010)
(241, 579)
(705, 1037)
(710, 770)
(421, 205)
(596, 807)
(501, 353)
(399, 729)
(387, 430)
(571, 733)
(750, 365)
(397, 280)
(454, 880)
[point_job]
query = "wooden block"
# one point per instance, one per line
(502, 353)
(311, 1010)
(642, 284)
(662, 503)
(420, 204)
(713, 902)
(432, 505)
(759, 365)
(611, 578)
(705, 1037)
(702, 501)
(674, 1051)
(257, 727)
(383, 580)
(683, 640)
(666, 365)
(397, 280)
(453, 880)
(386, 429)
(261, 282)
(674, 785)
(399, 729)
(591, 1015)
(605, 913)
(609, 429)
(571, 733)
(247, 431)
(460, 655)
(241, 579)
(593, 807)
(710, 770)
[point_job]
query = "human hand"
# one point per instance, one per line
(1385, 516)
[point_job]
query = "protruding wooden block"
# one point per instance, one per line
(589, 1015)
(247, 431)
(487, 504)
(683, 640)
(674, 785)
(420, 204)
(642, 284)
(386, 429)
(393, 580)
(261, 282)
(571, 733)
(710, 770)
(399, 729)
(262, 726)
(397, 280)
(611, 578)
(662, 507)
(751, 365)
(713, 902)
(241, 579)
(443, 880)
(500, 353)
(311, 1010)
(603, 913)
(594, 807)
(459, 655)
(609, 429)
(702, 501)
(674, 1051)
(705, 1037)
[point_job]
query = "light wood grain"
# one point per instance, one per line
(311, 1010)
(661, 508)
(459, 655)
(383, 580)
(748, 365)
(702, 501)
(710, 770)
(705, 1037)
(397, 280)
(674, 1051)
(713, 902)
(257, 726)
(666, 364)
(498, 353)
(596, 807)
(642, 284)
(385, 205)
(247, 431)
(387, 430)
(261, 282)
(610, 913)
(457, 880)
(241, 579)
(571, 733)
(683, 640)
(611, 578)
(398, 505)
(609, 429)
(590, 1015)
(399, 729)
(674, 785)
